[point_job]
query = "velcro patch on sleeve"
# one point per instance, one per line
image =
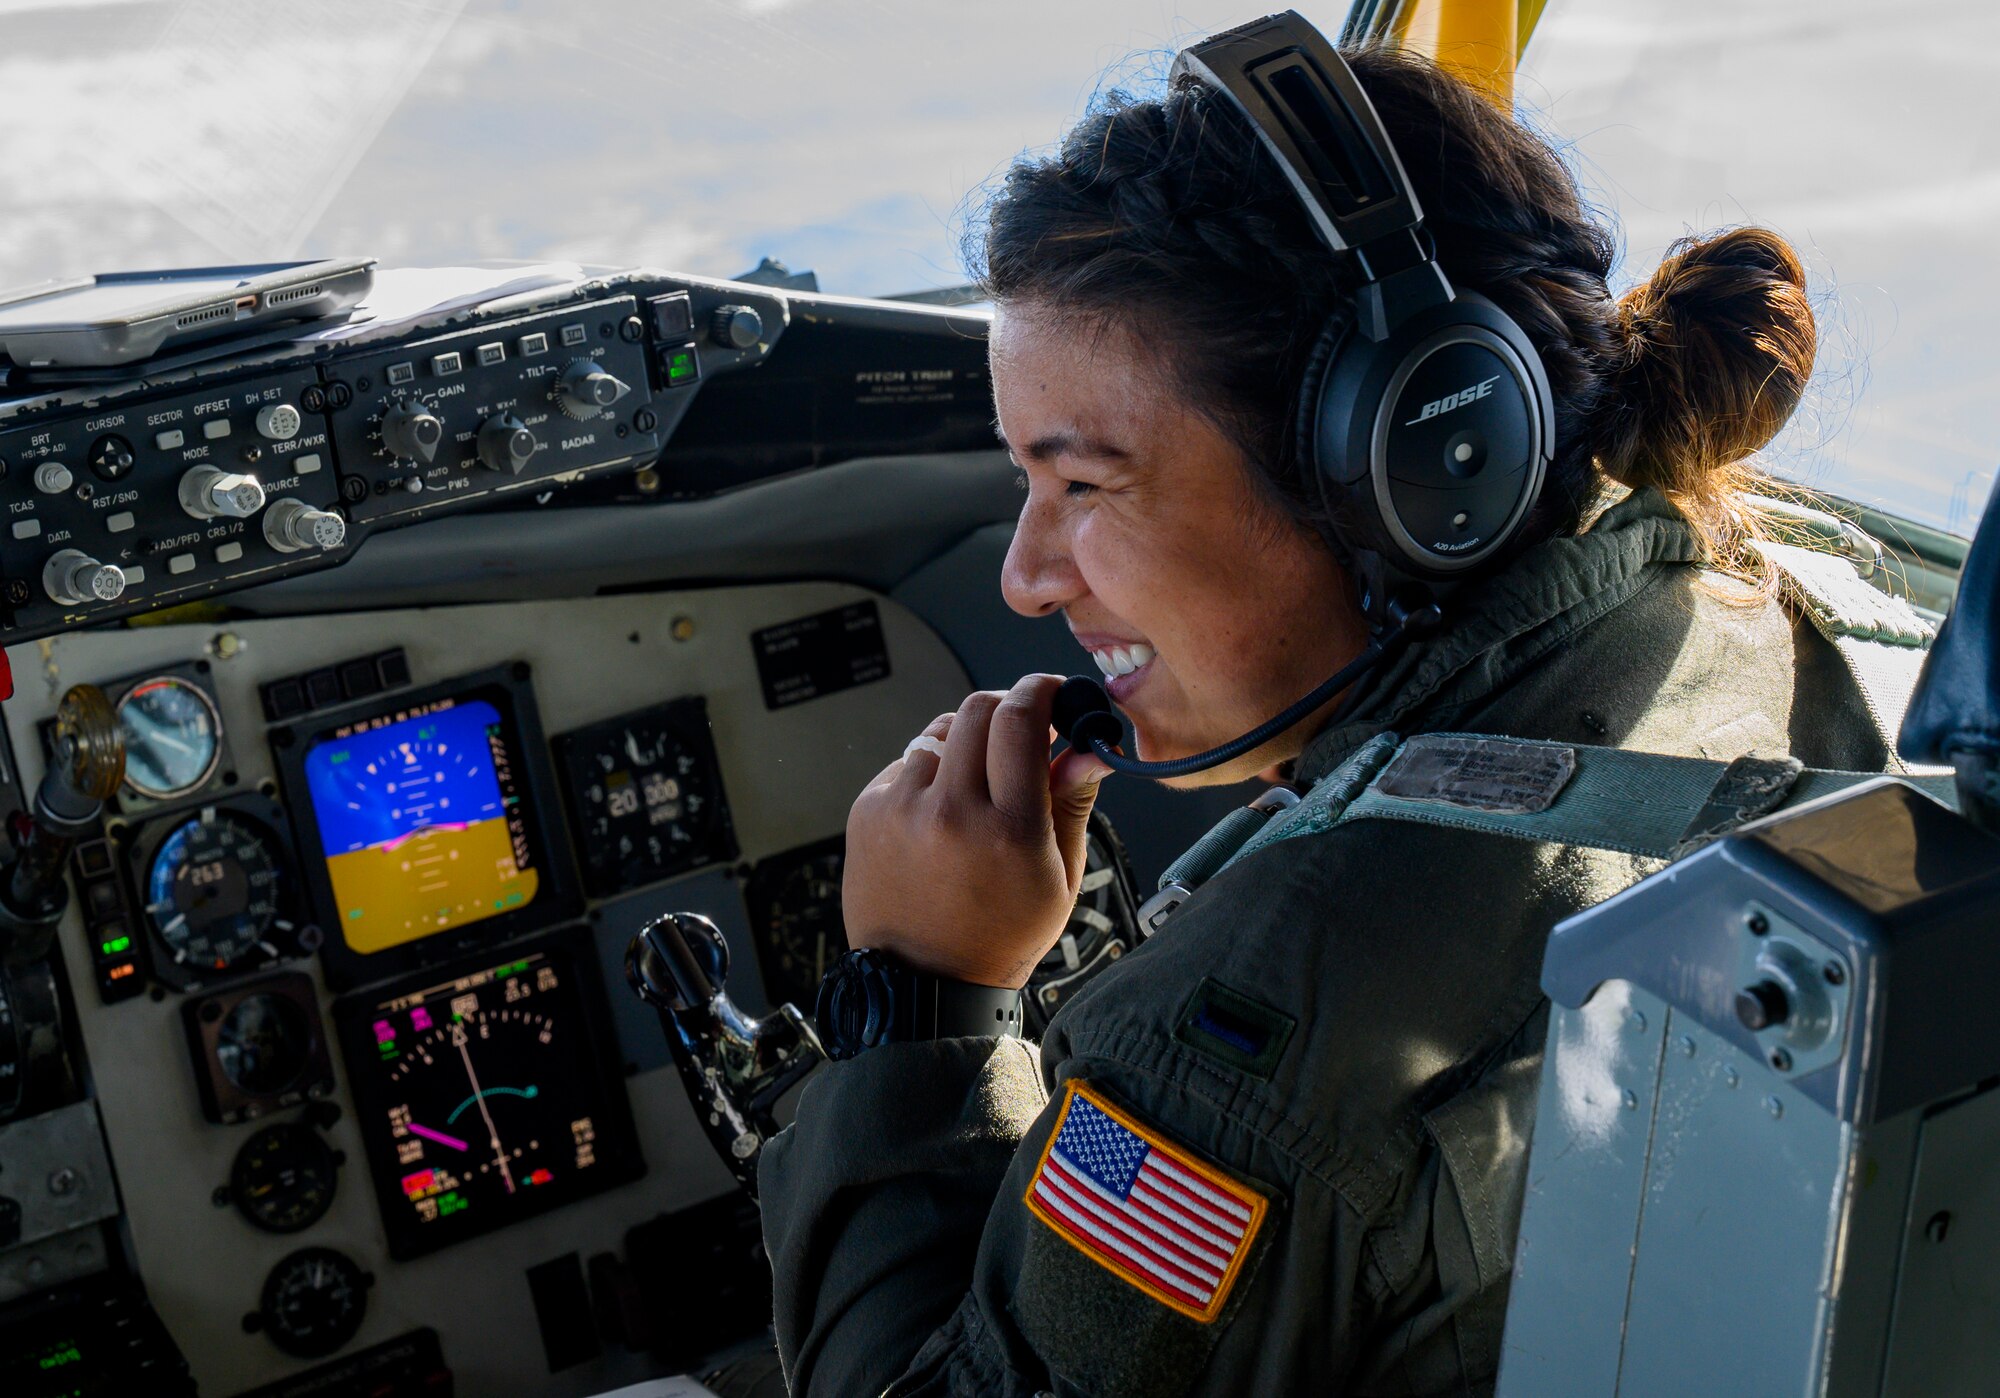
(1142, 1207)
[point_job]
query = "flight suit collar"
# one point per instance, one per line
(1496, 629)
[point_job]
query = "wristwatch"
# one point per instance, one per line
(869, 997)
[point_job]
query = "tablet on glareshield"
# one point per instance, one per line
(127, 317)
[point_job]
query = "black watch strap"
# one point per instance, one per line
(869, 997)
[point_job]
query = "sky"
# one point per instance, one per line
(855, 137)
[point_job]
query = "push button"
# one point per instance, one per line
(536, 343)
(573, 335)
(120, 522)
(399, 374)
(181, 563)
(172, 440)
(215, 428)
(491, 354)
(27, 528)
(306, 464)
(445, 365)
(228, 553)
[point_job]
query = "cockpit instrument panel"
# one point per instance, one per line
(489, 1092)
(645, 796)
(794, 901)
(422, 823)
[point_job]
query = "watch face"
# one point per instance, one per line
(856, 1005)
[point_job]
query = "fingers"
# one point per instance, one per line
(918, 766)
(962, 774)
(1017, 750)
(1074, 779)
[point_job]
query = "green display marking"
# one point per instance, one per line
(338, 756)
(530, 1092)
(353, 913)
(116, 945)
(451, 1203)
(680, 368)
(512, 899)
(68, 1354)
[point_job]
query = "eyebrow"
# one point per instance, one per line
(1067, 443)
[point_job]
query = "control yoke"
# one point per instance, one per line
(736, 1068)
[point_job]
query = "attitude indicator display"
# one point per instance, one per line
(421, 822)
(487, 1096)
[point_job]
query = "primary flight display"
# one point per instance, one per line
(420, 821)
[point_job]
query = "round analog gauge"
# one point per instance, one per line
(264, 1045)
(173, 737)
(647, 797)
(212, 891)
(313, 1302)
(795, 907)
(284, 1177)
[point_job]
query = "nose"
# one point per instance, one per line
(1040, 575)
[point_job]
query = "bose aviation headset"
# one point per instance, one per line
(1426, 422)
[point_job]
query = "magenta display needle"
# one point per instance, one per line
(439, 1137)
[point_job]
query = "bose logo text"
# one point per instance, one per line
(1454, 400)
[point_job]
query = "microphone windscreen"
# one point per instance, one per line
(1083, 713)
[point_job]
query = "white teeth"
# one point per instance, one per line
(1122, 660)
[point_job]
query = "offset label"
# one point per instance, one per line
(820, 655)
(1480, 774)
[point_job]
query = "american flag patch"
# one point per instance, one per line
(1132, 1202)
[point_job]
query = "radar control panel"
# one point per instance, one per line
(125, 498)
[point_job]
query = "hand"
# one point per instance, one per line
(967, 865)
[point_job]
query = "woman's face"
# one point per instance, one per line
(1207, 608)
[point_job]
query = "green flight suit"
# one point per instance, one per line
(1346, 1026)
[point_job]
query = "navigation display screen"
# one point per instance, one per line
(421, 821)
(487, 1092)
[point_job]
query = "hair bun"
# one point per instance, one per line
(1719, 347)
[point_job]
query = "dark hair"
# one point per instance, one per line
(1169, 217)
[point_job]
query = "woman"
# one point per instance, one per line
(1332, 1050)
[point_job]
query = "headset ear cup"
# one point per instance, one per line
(1305, 428)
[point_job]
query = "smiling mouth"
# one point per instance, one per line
(1119, 661)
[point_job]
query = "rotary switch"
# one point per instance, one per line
(210, 493)
(584, 390)
(736, 327)
(73, 577)
(411, 431)
(291, 525)
(505, 444)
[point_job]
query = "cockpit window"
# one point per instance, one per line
(1865, 134)
(846, 137)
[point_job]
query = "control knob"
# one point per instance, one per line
(73, 576)
(52, 478)
(291, 525)
(411, 431)
(280, 422)
(505, 444)
(209, 493)
(736, 327)
(585, 390)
